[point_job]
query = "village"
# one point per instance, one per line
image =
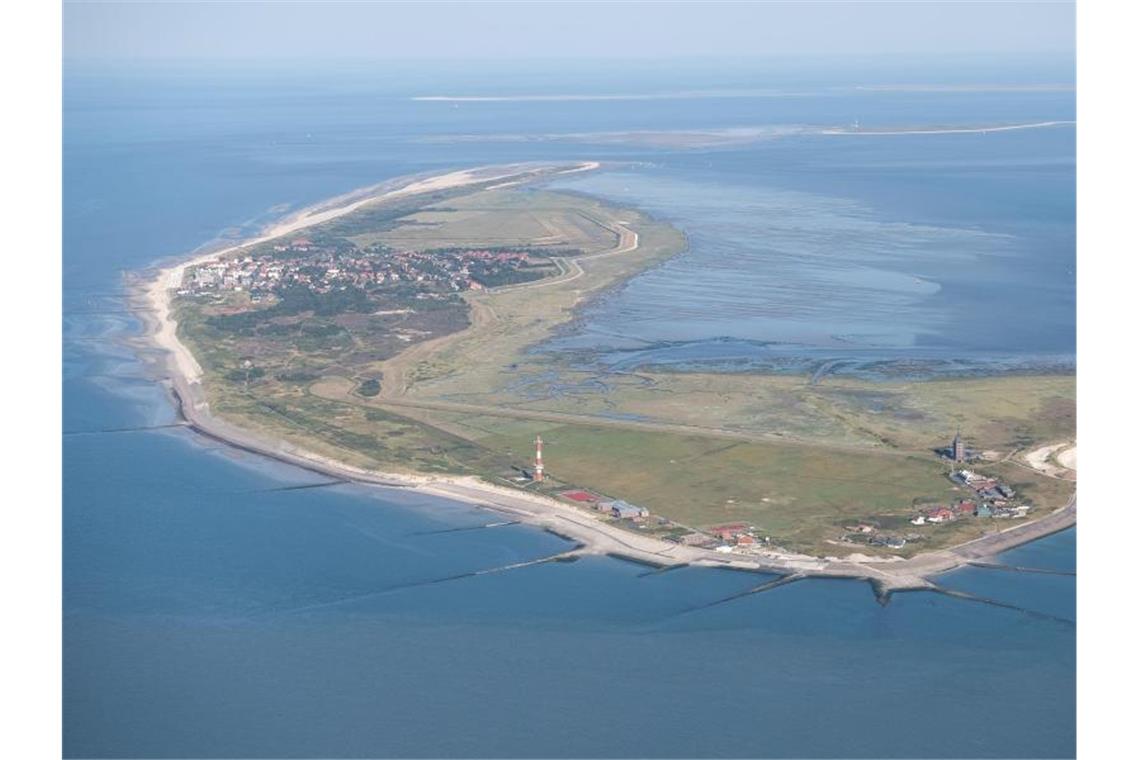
(326, 268)
(990, 499)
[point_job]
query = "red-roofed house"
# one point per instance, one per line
(966, 507)
(940, 514)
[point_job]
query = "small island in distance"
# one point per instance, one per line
(388, 337)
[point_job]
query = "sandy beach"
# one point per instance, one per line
(183, 374)
(1058, 460)
(948, 130)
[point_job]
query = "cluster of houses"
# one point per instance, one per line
(733, 537)
(735, 534)
(726, 539)
(985, 486)
(940, 513)
(323, 269)
(993, 499)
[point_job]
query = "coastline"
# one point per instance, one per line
(182, 374)
(948, 130)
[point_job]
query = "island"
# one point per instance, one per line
(394, 336)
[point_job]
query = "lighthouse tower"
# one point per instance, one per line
(538, 468)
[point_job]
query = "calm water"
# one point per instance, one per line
(913, 254)
(210, 613)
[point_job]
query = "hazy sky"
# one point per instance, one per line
(221, 29)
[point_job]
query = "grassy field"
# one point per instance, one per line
(801, 496)
(1001, 414)
(490, 219)
(364, 437)
(798, 461)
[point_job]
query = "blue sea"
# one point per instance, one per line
(211, 609)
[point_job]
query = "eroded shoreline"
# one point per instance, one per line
(182, 374)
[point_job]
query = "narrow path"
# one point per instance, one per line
(599, 421)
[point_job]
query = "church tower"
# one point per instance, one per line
(958, 449)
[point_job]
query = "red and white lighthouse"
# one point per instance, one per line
(538, 468)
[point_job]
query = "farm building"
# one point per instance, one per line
(623, 510)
